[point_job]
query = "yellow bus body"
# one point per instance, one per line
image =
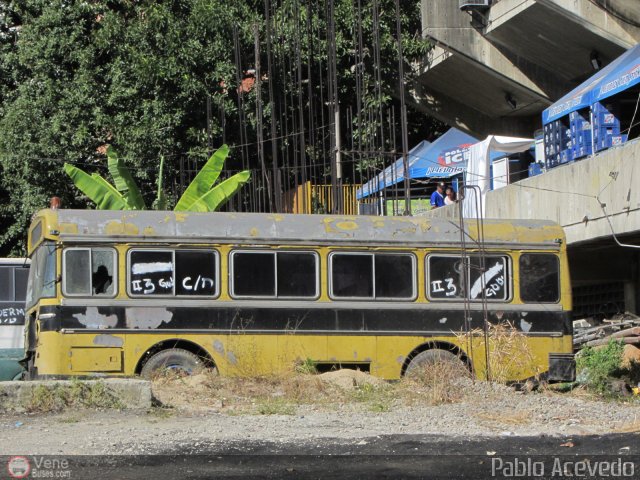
(62, 350)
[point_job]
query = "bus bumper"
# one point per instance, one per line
(562, 367)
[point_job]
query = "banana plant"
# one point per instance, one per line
(200, 196)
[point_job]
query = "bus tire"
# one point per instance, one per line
(172, 359)
(431, 357)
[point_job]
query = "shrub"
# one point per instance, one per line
(597, 366)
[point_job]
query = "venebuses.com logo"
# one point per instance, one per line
(18, 467)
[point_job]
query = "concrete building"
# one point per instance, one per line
(493, 71)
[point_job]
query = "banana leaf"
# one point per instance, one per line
(124, 181)
(107, 185)
(220, 194)
(201, 185)
(105, 197)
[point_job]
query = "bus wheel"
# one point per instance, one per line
(176, 360)
(435, 357)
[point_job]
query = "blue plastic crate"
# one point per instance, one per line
(578, 126)
(606, 121)
(566, 156)
(582, 138)
(608, 141)
(582, 151)
(551, 160)
(606, 116)
(535, 169)
(605, 107)
(618, 140)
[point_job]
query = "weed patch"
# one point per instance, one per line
(78, 394)
(275, 406)
(306, 367)
(377, 398)
(597, 368)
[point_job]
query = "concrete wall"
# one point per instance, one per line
(567, 195)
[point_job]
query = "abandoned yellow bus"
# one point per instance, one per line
(132, 292)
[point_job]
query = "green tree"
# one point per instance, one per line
(80, 75)
(76, 76)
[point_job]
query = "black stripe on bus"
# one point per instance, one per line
(292, 320)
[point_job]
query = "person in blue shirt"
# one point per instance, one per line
(437, 197)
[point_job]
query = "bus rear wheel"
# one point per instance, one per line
(172, 360)
(436, 357)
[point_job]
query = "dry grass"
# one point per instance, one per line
(259, 394)
(510, 355)
(284, 393)
(435, 384)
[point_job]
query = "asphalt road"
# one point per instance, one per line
(386, 457)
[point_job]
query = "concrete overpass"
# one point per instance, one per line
(494, 70)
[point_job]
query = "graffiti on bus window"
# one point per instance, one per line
(188, 272)
(451, 277)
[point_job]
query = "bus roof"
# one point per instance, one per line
(14, 261)
(222, 227)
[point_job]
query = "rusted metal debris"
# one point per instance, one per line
(624, 328)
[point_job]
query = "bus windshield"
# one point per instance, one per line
(42, 274)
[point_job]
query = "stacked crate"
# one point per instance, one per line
(606, 126)
(558, 146)
(581, 133)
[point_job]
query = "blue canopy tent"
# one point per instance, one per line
(619, 75)
(426, 160)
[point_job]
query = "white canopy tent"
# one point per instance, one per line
(479, 169)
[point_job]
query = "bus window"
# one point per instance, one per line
(77, 271)
(151, 272)
(173, 272)
(274, 274)
(394, 278)
(254, 274)
(494, 277)
(89, 272)
(352, 276)
(446, 279)
(196, 272)
(6, 284)
(42, 274)
(539, 278)
(103, 268)
(297, 274)
(21, 278)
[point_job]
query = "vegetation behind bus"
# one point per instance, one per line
(200, 196)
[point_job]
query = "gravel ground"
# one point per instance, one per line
(483, 411)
